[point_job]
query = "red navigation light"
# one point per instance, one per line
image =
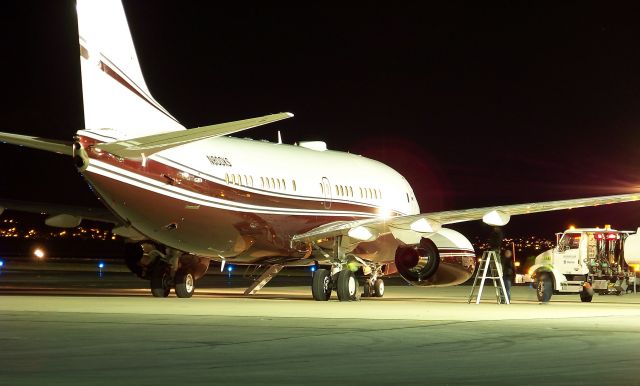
(612, 236)
(599, 236)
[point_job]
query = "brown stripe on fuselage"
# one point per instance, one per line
(172, 176)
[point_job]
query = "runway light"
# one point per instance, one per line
(39, 253)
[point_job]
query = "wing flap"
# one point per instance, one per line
(52, 145)
(145, 146)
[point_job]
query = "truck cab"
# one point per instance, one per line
(585, 261)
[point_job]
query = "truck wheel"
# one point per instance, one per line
(544, 288)
(585, 297)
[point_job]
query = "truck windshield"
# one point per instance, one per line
(570, 241)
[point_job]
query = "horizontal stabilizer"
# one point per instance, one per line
(145, 146)
(52, 145)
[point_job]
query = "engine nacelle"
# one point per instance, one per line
(444, 258)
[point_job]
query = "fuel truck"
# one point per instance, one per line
(588, 261)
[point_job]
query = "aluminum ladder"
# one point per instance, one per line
(489, 264)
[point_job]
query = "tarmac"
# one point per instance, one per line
(62, 327)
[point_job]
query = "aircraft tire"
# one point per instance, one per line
(367, 291)
(185, 284)
(160, 281)
(321, 285)
(347, 286)
(378, 288)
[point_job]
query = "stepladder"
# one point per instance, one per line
(489, 267)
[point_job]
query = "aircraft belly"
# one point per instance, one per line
(203, 230)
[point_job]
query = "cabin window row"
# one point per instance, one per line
(265, 182)
(347, 191)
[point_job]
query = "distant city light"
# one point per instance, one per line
(39, 253)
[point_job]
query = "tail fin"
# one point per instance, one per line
(114, 92)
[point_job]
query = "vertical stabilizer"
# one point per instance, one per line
(114, 92)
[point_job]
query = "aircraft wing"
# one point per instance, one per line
(88, 213)
(369, 229)
(60, 147)
(69, 216)
(145, 146)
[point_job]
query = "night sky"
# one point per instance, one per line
(475, 103)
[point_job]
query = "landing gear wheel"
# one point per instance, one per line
(347, 286)
(321, 285)
(160, 281)
(544, 288)
(378, 288)
(367, 290)
(185, 284)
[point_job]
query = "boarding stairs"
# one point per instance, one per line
(489, 267)
(260, 282)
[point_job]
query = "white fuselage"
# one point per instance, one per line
(227, 196)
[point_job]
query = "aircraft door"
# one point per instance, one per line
(326, 192)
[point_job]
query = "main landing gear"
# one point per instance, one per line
(183, 281)
(346, 285)
(176, 270)
(375, 290)
(341, 279)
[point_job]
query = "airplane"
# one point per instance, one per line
(187, 197)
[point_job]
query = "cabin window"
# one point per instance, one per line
(284, 184)
(341, 190)
(337, 190)
(350, 191)
(407, 197)
(226, 178)
(262, 182)
(380, 193)
(268, 184)
(322, 188)
(375, 194)
(251, 181)
(361, 195)
(370, 193)
(293, 184)
(273, 183)
(279, 185)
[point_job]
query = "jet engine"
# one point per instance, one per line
(441, 259)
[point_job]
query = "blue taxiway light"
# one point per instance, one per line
(101, 265)
(1, 263)
(313, 268)
(229, 268)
